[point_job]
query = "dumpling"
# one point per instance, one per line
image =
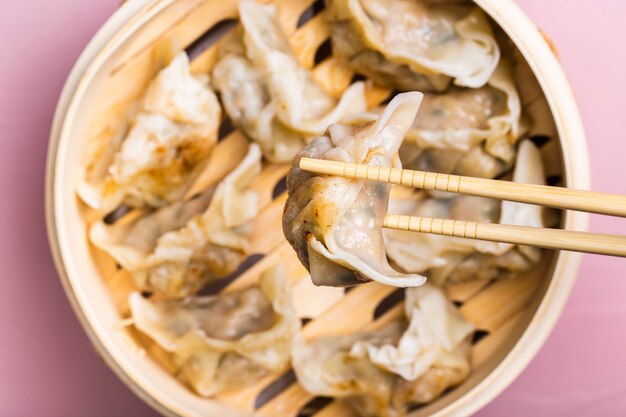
(268, 94)
(448, 259)
(385, 372)
(335, 224)
(463, 118)
(170, 138)
(212, 245)
(422, 252)
(415, 44)
(132, 238)
(224, 341)
(179, 248)
(467, 131)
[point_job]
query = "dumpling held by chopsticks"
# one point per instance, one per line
(335, 224)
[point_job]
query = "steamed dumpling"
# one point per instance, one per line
(449, 259)
(179, 248)
(467, 131)
(268, 94)
(169, 139)
(131, 240)
(385, 372)
(335, 224)
(414, 44)
(212, 245)
(224, 341)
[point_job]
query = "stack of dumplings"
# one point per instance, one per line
(455, 109)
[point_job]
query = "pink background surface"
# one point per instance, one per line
(47, 366)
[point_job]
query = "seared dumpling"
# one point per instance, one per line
(224, 341)
(414, 44)
(385, 372)
(176, 250)
(170, 138)
(133, 237)
(268, 94)
(335, 224)
(210, 246)
(448, 259)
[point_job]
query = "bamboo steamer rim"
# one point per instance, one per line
(124, 23)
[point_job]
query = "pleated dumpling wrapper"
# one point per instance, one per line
(448, 259)
(416, 44)
(468, 131)
(224, 341)
(384, 373)
(464, 118)
(177, 249)
(268, 94)
(335, 224)
(170, 138)
(464, 131)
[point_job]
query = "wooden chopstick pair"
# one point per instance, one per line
(544, 195)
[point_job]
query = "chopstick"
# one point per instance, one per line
(520, 235)
(543, 195)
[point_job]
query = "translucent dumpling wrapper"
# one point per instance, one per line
(169, 140)
(133, 237)
(179, 248)
(384, 373)
(415, 44)
(268, 94)
(335, 224)
(225, 341)
(451, 259)
(464, 118)
(465, 131)
(212, 245)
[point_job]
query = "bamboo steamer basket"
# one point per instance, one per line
(514, 316)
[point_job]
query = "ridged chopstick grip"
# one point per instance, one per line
(417, 179)
(521, 235)
(543, 195)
